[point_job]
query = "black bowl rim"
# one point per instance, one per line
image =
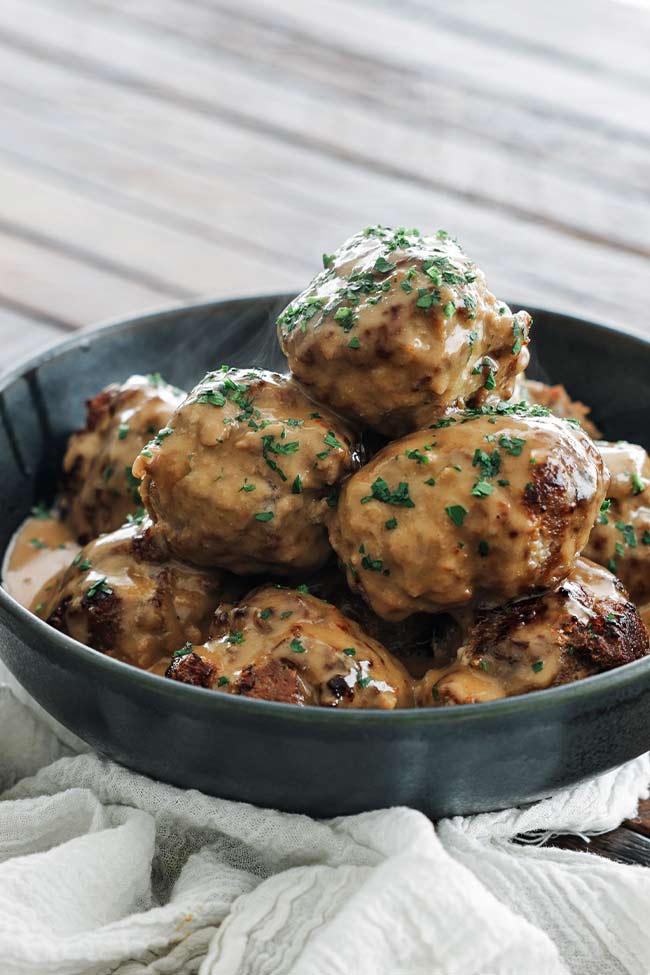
(204, 698)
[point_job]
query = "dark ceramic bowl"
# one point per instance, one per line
(443, 761)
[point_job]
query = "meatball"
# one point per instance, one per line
(585, 626)
(99, 489)
(621, 537)
(490, 505)
(282, 644)
(556, 399)
(399, 327)
(244, 477)
(124, 596)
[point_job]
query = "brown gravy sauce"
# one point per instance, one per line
(40, 548)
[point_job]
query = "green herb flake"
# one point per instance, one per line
(223, 680)
(483, 548)
(187, 648)
(327, 260)
(265, 613)
(400, 498)
(264, 516)
(512, 445)
(430, 481)
(247, 487)
(457, 513)
(331, 441)
(449, 309)
(613, 567)
(482, 489)
(537, 666)
(287, 613)
(382, 266)
(483, 664)
(638, 486)
(212, 398)
(354, 343)
(349, 651)
(645, 538)
(122, 431)
(236, 636)
(297, 646)
(38, 543)
(391, 524)
(363, 680)
(417, 456)
(99, 587)
(296, 487)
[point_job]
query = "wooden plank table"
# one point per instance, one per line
(153, 151)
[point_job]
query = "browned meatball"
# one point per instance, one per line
(399, 327)
(285, 645)
(583, 627)
(556, 399)
(245, 476)
(123, 595)
(621, 537)
(99, 487)
(489, 506)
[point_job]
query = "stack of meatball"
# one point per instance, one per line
(386, 526)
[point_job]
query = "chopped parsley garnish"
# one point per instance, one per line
(315, 416)
(155, 379)
(431, 481)
(331, 440)
(265, 613)
(645, 538)
(349, 651)
(327, 260)
(612, 566)
(162, 434)
(137, 518)
(296, 487)
(449, 309)
(122, 431)
(638, 486)
(537, 666)
(400, 498)
(187, 648)
(296, 646)
(417, 455)
(303, 588)
(383, 266)
(628, 532)
(287, 613)
(363, 679)
(457, 513)
(390, 524)
(372, 565)
(512, 445)
(37, 543)
(264, 516)
(236, 636)
(345, 318)
(353, 343)
(212, 397)
(109, 470)
(246, 486)
(483, 548)
(223, 680)
(271, 446)
(483, 664)
(99, 587)
(482, 489)
(517, 332)
(490, 464)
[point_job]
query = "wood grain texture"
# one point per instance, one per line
(156, 150)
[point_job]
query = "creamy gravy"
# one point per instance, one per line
(40, 548)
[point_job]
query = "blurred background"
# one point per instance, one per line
(155, 151)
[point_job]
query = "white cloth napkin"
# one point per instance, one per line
(105, 871)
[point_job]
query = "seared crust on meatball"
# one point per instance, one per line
(585, 626)
(488, 506)
(281, 644)
(125, 596)
(399, 327)
(99, 489)
(246, 474)
(557, 400)
(620, 538)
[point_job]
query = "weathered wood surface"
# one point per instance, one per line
(157, 150)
